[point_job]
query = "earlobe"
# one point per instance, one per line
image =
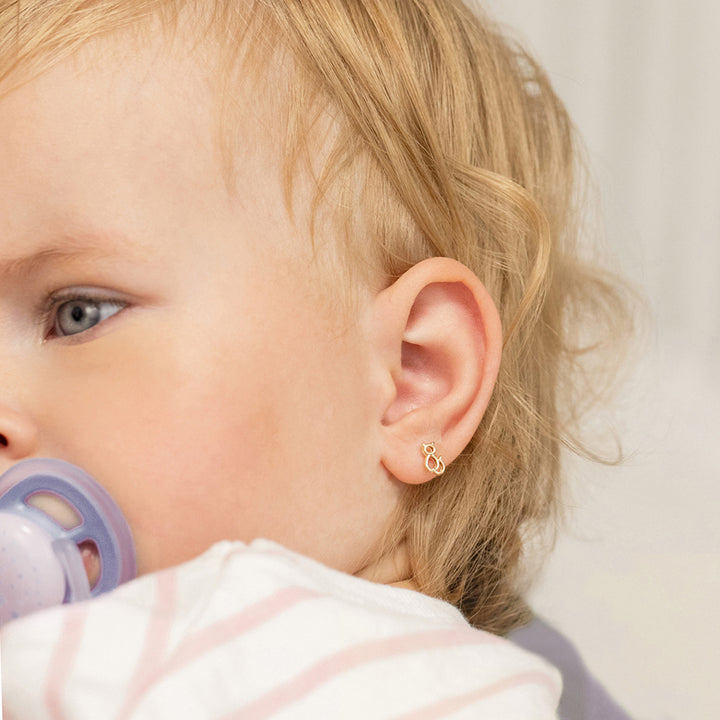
(440, 338)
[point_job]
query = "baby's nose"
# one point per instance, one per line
(18, 435)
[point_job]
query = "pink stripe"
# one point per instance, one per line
(445, 707)
(157, 637)
(351, 658)
(227, 630)
(63, 658)
(222, 633)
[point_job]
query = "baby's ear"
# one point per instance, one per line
(440, 340)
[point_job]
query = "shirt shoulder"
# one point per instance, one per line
(263, 632)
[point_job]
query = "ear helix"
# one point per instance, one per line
(433, 462)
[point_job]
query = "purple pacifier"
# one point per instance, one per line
(41, 562)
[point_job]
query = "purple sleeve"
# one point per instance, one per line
(583, 698)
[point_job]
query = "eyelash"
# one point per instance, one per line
(48, 312)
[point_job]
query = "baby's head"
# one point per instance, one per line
(257, 255)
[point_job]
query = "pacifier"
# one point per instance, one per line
(50, 513)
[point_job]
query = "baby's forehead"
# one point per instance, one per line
(182, 48)
(89, 107)
(106, 135)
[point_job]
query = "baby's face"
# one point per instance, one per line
(165, 337)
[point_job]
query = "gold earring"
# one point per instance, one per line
(433, 462)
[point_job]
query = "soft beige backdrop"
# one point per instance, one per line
(635, 580)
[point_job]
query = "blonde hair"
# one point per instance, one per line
(446, 139)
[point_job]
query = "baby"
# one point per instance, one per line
(300, 271)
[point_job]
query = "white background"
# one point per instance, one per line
(635, 579)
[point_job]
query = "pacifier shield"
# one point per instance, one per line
(41, 556)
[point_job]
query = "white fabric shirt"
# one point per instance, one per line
(256, 631)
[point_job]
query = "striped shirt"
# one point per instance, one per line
(256, 631)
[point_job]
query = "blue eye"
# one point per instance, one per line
(80, 314)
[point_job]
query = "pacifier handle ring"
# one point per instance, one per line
(90, 527)
(95, 508)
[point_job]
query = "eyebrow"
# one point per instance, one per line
(59, 251)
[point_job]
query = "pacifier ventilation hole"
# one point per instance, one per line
(92, 560)
(56, 508)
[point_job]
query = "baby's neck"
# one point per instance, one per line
(391, 569)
